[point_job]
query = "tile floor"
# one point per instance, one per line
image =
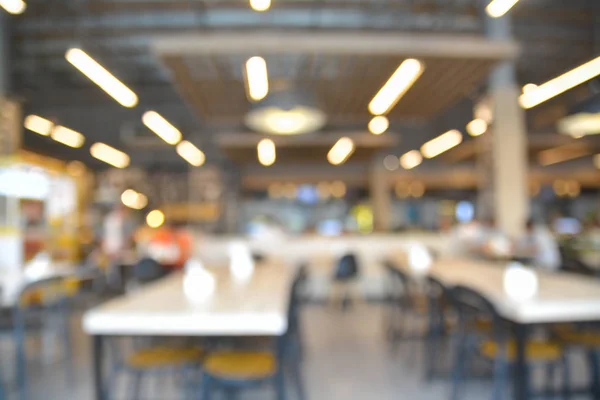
(347, 358)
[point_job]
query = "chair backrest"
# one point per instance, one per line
(473, 306)
(347, 268)
(148, 270)
(293, 311)
(45, 292)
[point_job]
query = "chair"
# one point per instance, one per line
(145, 356)
(345, 279)
(584, 337)
(408, 302)
(234, 370)
(497, 345)
(437, 295)
(44, 301)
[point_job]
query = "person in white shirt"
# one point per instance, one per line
(539, 245)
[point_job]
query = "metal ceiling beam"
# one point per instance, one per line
(290, 18)
(352, 43)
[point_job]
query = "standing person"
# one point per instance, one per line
(539, 245)
(117, 235)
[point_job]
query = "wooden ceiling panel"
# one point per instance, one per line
(344, 97)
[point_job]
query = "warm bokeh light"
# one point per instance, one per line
(163, 128)
(109, 155)
(290, 191)
(266, 152)
(498, 8)
(14, 6)
(101, 77)
(379, 125)
(391, 163)
(67, 136)
(398, 84)
(260, 5)
(402, 190)
(132, 199)
(38, 125)
(411, 159)
(341, 151)
(190, 153)
(76, 168)
(561, 84)
(275, 190)
(324, 190)
(338, 189)
(257, 78)
(155, 219)
(417, 189)
(441, 144)
(573, 189)
(529, 87)
(560, 187)
(477, 127)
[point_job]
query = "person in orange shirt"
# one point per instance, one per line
(171, 246)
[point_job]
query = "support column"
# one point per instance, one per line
(381, 200)
(509, 141)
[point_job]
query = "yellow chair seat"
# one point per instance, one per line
(535, 350)
(240, 365)
(580, 338)
(157, 357)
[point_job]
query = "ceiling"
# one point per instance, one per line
(203, 94)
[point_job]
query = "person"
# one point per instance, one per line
(117, 234)
(171, 246)
(539, 245)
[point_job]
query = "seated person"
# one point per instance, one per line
(539, 245)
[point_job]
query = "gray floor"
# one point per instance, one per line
(347, 358)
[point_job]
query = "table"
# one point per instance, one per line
(255, 307)
(561, 297)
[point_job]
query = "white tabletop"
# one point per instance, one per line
(257, 306)
(561, 297)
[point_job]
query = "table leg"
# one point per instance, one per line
(521, 375)
(594, 366)
(98, 366)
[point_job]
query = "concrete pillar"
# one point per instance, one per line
(381, 200)
(509, 166)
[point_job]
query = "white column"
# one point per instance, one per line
(509, 142)
(381, 200)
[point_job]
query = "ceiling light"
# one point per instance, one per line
(101, 77)
(411, 159)
(133, 199)
(561, 84)
(563, 153)
(498, 8)
(341, 151)
(477, 127)
(391, 163)
(597, 161)
(38, 125)
(278, 121)
(441, 144)
(379, 125)
(581, 124)
(67, 136)
(257, 78)
(529, 87)
(266, 152)
(109, 155)
(13, 6)
(190, 153)
(398, 84)
(260, 5)
(163, 128)
(155, 218)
